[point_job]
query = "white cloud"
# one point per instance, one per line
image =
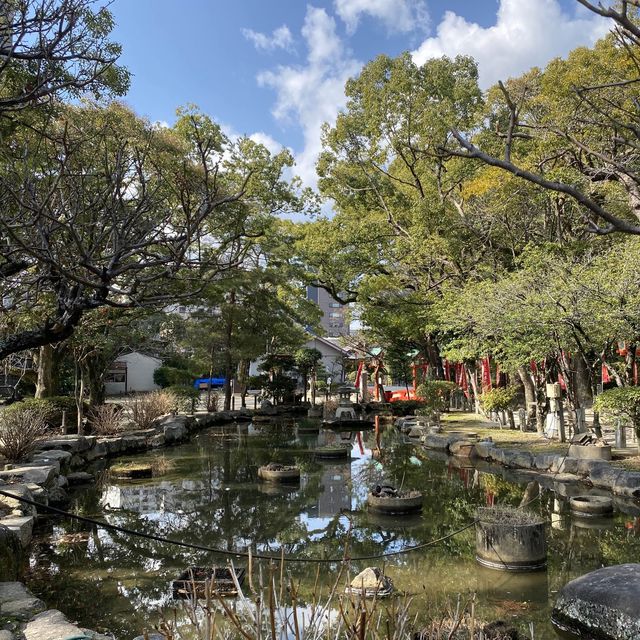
(312, 93)
(527, 33)
(280, 38)
(272, 145)
(397, 15)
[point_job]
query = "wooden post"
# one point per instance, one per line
(561, 420)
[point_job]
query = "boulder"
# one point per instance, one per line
(627, 484)
(52, 625)
(485, 449)
(602, 604)
(174, 431)
(438, 442)
(543, 461)
(22, 526)
(17, 601)
(43, 475)
(72, 443)
(603, 475)
(565, 464)
(13, 504)
(54, 455)
(517, 459)
(98, 450)
(11, 555)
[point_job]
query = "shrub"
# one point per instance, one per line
(167, 376)
(145, 408)
(499, 399)
(213, 402)
(436, 394)
(52, 408)
(406, 407)
(184, 396)
(106, 419)
(20, 428)
(621, 402)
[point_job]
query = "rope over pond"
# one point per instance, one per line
(234, 554)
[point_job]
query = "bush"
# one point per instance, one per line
(145, 408)
(185, 397)
(51, 408)
(167, 376)
(406, 407)
(621, 402)
(106, 419)
(436, 394)
(499, 399)
(20, 428)
(213, 403)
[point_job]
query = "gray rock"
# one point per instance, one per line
(15, 505)
(485, 449)
(99, 450)
(52, 625)
(6, 635)
(174, 432)
(602, 604)
(72, 443)
(79, 477)
(17, 601)
(543, 461)
(58, 496)
(11, 555)
(439, 442)
(57, 455)
(565, 464)
(517, 459)
(43, 475)
(22, 526)
(604, 475)
(627, 484)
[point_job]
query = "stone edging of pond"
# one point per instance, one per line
(23, 616)
(563, 468)
(62, 461)
(58, 463)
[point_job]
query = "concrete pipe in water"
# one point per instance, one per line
(510, 539)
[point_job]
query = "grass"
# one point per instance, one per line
(631, 463)
(505, 437)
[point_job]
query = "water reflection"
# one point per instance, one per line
(213, 497)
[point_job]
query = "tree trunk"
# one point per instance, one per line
(472, 382)
(529, 396)
(228, 356)
(45, 384)
(94, 376)
(243, 381)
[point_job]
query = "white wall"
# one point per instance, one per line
(140, 368)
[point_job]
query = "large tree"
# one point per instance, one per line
(102, 208)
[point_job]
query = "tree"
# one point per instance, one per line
(51, 49)
(307, 361)
(102, 208)
(572, 128)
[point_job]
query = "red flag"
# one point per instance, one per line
(447, 370)
(605, 374)
(486, 373)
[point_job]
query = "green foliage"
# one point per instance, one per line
(50, 408)
(620, 402)
(498, 399)
(436, 394)
(407, 407)
(166, 376)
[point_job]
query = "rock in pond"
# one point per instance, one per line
(602, 604)
(371, 583)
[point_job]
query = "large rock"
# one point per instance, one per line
(52, 625)
(603, 475)
(628, 484)
(22, 526)
(16, 601)
(72, 443)
(11, 555)
(54, 455)
(602, 604)
(43, 475)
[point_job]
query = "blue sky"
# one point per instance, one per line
(274, 69)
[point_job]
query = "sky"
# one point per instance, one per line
(275, 69)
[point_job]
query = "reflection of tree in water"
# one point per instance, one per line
(213, 498)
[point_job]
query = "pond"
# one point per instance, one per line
(210, 495)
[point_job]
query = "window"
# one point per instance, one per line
(116, 376)
(335, 305)
(335, 315)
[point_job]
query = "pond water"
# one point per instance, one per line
(210, 495)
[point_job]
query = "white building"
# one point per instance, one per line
(131, 372)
